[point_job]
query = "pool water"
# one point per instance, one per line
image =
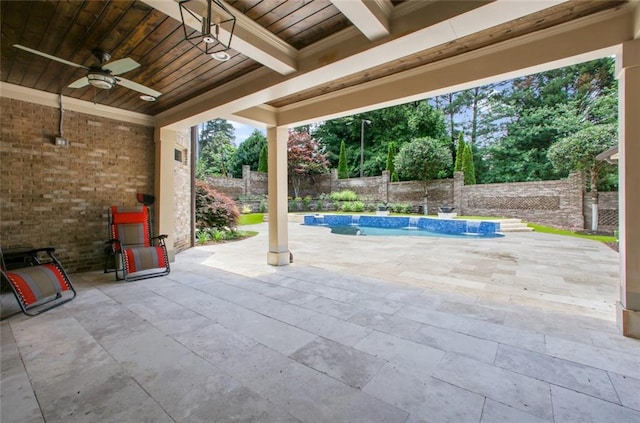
(371, 231)
(405, 226)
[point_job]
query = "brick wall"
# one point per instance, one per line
(59, 196)
(607, 210)
(182, 172)
(555, 203)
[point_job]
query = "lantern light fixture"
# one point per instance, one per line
(215, 25)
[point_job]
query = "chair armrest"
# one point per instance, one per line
(160, 237)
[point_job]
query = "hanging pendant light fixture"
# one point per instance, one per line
(216, 25)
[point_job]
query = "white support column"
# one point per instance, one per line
(278, 254)
(164, 211)
(628, 72)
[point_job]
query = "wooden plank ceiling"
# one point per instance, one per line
(170, 65)
(72, 29)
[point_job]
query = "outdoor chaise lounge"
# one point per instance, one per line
(38, 280)
(137, 254)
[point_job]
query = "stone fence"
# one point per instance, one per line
(560, 203)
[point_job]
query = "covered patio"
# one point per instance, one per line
(526, 328)
(465, 331)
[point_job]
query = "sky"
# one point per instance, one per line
(243, 131)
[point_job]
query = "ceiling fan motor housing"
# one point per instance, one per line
(100, 78)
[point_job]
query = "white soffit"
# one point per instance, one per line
(371, 18)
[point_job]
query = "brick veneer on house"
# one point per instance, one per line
(59, 196)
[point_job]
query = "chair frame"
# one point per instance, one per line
(31, 259)
(114, 249)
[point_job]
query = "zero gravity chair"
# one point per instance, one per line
(136, 254)
(39, 282)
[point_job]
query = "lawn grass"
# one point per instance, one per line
(250, 219)
(549, 230)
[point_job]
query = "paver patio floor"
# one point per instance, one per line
(357, 329)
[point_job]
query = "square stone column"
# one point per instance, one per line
(628, 72)
(278, 190)
(164, 207)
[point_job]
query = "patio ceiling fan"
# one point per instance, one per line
(105, 75)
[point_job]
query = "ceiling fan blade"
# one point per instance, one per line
(48, 56)
(82, 82)
(120, 66)
(138, 87)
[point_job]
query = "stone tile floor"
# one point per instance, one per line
(358, 329)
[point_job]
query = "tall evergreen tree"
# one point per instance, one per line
(343, 169)
(212, 129)
(467, 165)
(391, 155)
(459, 154)
(263, 163)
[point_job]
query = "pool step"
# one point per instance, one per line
(514, 225)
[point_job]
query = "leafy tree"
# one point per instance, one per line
(392, 151)
(343, 170)
(457, 167)
(216, 158)
(398, 124)
(305, 157)
(539, 109)
(578, 151)
(248, 153)
(214, 209)
(467, 165)
(263, 163)
(423, 159)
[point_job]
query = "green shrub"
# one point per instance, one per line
(319, 205)
(218, 235)
(346, 207)
(358, 206)
(203, 237)
(344, 195)
(263, 206)
(214, 209)
(306, 202)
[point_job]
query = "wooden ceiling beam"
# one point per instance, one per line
(370, 17)
(249, 39)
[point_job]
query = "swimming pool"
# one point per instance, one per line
(404, 226)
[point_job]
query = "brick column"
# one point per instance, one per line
(333, 182)
(278, 254)
(383, 187)
(246, 179)
(628, 72)
(575, 194)
(458, 184)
